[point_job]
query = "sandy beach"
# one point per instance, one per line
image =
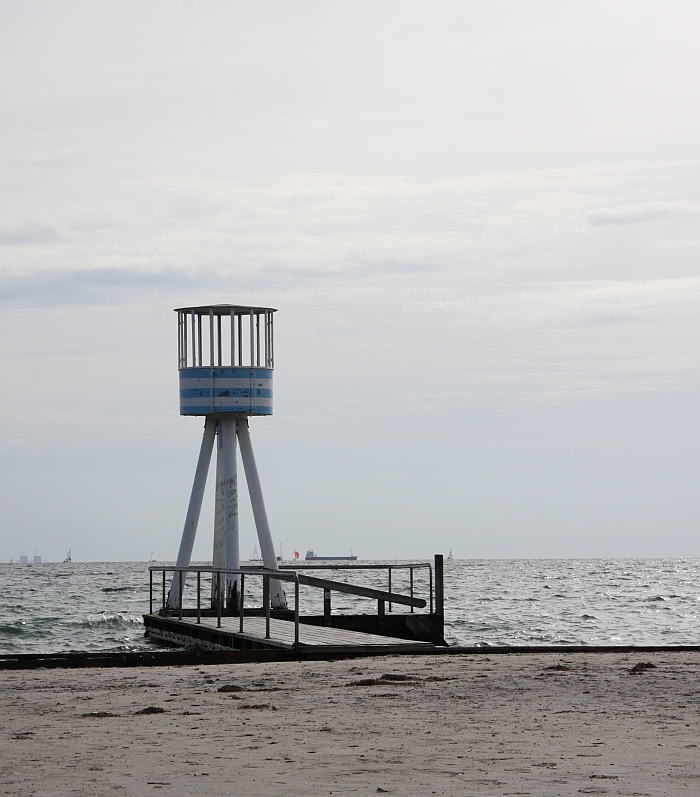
(540, 724)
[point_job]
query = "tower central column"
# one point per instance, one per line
(218, 558)
(233, 557)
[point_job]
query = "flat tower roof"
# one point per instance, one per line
(225, 309)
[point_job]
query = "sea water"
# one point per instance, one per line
(49, 608)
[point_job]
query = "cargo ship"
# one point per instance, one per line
(311, 557)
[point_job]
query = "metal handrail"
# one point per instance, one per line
(411, 566)
(266, 575)
(357, 589)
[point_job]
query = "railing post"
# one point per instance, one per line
(199, 606)
(150, 579)
(389, 585)
(430, 570)
(381, 611)
(411, 572)
(327, 607)
(439, 593)
(296, 608)
(179, 592)
(266, 604)
(218, 598)
(241, 578)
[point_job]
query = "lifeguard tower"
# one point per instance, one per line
(226, 359)
(225, 364)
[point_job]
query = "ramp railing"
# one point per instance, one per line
(327, 585)
(410, 566)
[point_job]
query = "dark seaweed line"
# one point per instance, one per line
(169, 658)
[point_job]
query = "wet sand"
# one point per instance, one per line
(540, 724)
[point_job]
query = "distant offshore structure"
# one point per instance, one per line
(24, 560)
(311, 557)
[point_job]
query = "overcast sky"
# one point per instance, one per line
(480, 223)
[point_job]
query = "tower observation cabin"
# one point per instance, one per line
(225, 363)
(225, 359)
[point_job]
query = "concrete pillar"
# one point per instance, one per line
(267, 548)
(194, 509)
(230, 488)
(218, 558)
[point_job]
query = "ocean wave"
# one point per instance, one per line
(13, 629)
(110, 620)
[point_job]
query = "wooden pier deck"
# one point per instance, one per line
(206, 635)
(291, 631)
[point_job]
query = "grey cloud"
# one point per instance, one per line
(81, 287)
(28, 234)
(639, 212)
(71, 287)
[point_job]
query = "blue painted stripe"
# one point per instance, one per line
(242, 410)
(191, 384)
(199, 398)
(238, 392)
(203, 401)
(225, 384)
(226, 392)
(232, 392)
(226, 373)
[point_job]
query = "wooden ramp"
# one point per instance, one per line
(206, 635)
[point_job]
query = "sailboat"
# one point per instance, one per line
(152, 559)
(68, 558)
(256, 555)
(449, 555)
(280, 558)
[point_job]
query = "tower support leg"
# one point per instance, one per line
(218, 558)
(233, 557)
(267, 548)
(194, 509)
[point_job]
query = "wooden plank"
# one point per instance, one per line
(282, 632)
